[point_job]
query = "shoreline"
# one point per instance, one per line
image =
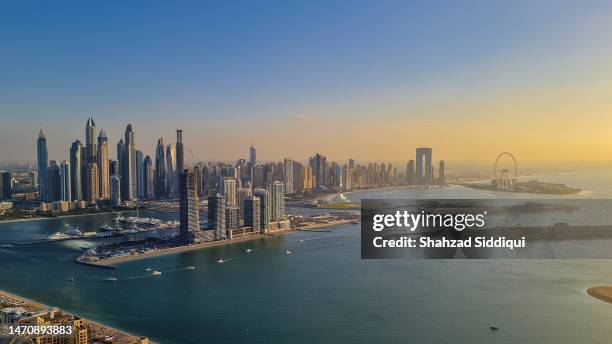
(106, 263)
(36, 306)
(110, 262)
(603, 293)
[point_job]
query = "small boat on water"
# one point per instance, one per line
(111, 279)
(156, 273)
(288, 252)
(248, 250)
(190, 267)
(220, 261)
(70, 279)
(148, 269)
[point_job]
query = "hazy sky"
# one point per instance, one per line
(365, 79)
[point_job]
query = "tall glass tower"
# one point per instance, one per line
(43, 159)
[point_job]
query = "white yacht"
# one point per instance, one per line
(156, 273)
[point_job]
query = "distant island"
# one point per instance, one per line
(532, 186)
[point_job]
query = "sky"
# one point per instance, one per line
(371, 80)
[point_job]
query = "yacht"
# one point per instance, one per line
(248, 250)
(288, 252)
(220, 261)
(148, 269)
(111, 279)
(190, 267)
(156, 273)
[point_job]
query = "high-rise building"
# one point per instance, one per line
(288, 174)
(140, 175)
(424, 166)
(180, 158)
(149, 178)
(265, 211)
(241, 195)
(41, 147)
(93, 177)
(65, 192)
(278, 201)
(308, 178)
(53, 182)
(160, 169)
(115, 190)
(76, 186)
(441, 176)
(318, 164)
(189, 206)
(113, 168)
(122, 162)
(171, 170)
(252, 206)
(229, 191)
(410, 172)
(298, 177)
(351, 164)
(103, 165)
(91, 153)
(252, 155)
(216, 216)
(232, 217)
(33, 179)
(6, 185)
(198, 173)
(128, 177)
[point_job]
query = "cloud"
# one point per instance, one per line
(301, 119)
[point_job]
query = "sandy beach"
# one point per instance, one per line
(173, 250)
(603, 293)
(95, 329)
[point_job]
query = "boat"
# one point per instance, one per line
(148, 269)
(494, 328)
(111, 279)
(288, 252)
(6, 246)
(70, 279)
(190, 267)
(248, 250)
(156, 273)
(220, 261)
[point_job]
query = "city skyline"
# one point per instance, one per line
(531, 83)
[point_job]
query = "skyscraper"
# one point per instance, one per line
(241, 195)
(265, 211)
(113, 167)
(53, 182)
(189, 207)
(65, 192)
(140, 175)
(229, 190)
(252, 207)
(180, 163)
(115, 190)
(91, 153)
(171, 170)
(252, 155)
(160, 169)
(149, 178)
(129, 169)
(6, 185)
(93, 177)
(41, 147)
(103, 165)
(278, 201)
(76, 186)
(441, 176)
(318, 164)
(216, 215)
(410, 172)
(424, 166)
(288, 176)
